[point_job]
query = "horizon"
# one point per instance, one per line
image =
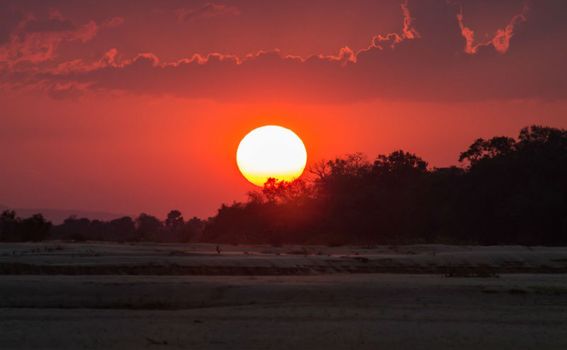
(58, 215)
(130, 109)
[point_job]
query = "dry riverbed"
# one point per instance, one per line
(301, 297)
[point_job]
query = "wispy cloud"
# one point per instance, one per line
(208, 10)
(501, 38)
(408, 31)
(35, 40)
(424, 60)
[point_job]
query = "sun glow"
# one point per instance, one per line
(271, 151)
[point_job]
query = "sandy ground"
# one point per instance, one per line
(202, 259)
(325, 309)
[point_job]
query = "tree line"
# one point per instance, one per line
(145, 227)
(506, 191)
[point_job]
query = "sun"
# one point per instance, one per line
(271, 151)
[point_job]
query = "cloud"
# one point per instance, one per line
(113, 22)
(208, 10)
(38, 46)
(500, 40)
(50, 25)
(424, 61)
(408, 31)
(9, 19)
(34, 40)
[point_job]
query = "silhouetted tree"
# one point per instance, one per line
(399, 164)
(275, 191)
(177, 230)
(8, 224)
(15, 229)
(79, 229)
(520, 195)
(148, 227)
(193, 229)
(121, 229)
(34, 228)
(483, 149)
(511, 192)
(174, 220)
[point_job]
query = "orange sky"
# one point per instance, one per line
(105, 107)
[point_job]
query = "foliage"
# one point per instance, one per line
(13, 228)
(511, 191)
(144, 228)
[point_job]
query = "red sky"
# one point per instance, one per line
(138, 106)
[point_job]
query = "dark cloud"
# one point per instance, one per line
(429, 59)
(33, 40)
(48, 25)
(207, 10)
(9, 19)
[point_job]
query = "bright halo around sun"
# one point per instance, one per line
(271, 151)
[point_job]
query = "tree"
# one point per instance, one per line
(78, 229)
(34, 228)
(174, 220)
(148, 226)
(284, 191)
(399, 164)
(121, 229)
(8, 223)
(175, 228)
(511, 192)
(487, 149)
(537, 134)
(15, 229)
(194, 229)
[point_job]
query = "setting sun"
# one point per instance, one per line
(271, 151)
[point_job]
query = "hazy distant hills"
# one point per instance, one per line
(57, 216)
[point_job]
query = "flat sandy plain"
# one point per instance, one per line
(122, 296)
